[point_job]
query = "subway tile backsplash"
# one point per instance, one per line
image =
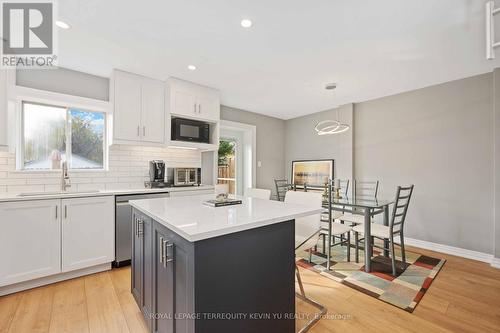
(128, 169)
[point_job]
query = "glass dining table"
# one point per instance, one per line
(362, 206)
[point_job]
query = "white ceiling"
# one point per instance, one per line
(279, 66)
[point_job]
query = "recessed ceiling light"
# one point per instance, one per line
(246, 23)
(63, 25)
(192, 67)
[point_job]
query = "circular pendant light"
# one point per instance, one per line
(328, 127)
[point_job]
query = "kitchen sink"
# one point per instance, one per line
(31, 194)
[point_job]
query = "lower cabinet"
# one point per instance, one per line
(141, 263)
(88, 227)
(30, 240)
(162, 276)
(46, 237)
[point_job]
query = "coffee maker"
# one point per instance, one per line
(156, 174)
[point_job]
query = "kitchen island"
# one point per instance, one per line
(202, 269)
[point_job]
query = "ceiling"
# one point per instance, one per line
(279, 66)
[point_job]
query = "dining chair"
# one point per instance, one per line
(344, 191)
(395, 227)
(363, 190)
(258, 193)
(282, 186)
(306, 236)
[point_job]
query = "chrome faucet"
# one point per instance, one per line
(65, 181)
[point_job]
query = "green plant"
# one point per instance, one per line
(226, 149)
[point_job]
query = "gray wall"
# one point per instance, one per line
(65, 81)
(441, 139)
(496, 74)
(302, 142)
(270, 143)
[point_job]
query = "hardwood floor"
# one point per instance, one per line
(465, 297)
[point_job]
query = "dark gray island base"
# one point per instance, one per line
(239, 282)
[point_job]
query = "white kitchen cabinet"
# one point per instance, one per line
(30, 241)
(88, 226)
(139, 109)
(190, 100)
(127, 107)
(153, 111)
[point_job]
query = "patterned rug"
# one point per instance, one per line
(404, 291)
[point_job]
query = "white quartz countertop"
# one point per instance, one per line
(6, 197)
(194, 221)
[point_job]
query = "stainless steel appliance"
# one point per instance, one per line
(190, 130)
(123, 226)
(187, 176)
(156, 171)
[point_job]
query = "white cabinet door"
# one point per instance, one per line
(153, 111)
(30, 240)
(183, 101)
(191, 192)
(88, 232)
(208, 104)
(127, 106)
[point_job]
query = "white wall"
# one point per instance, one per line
(303, 143)
(441, 139)
(270, 144)
(128, 169)
(496, 75)
(3, 107)
(128, 165)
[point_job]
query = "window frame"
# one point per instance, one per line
(21, 94)
(67, 133)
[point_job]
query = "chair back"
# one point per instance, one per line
(258, 193)
(344, 187)
(366, 190)
(282, 186)
(306, 228)
(403, 196)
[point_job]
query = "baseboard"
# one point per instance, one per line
(455, 251)
(14, 288)
(495, 262)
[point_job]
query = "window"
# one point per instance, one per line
(52, 134)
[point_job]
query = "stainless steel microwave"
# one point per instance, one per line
(187, 176)
(190, 130)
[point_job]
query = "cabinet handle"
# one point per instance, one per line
(161, 249)
(199, 108)
(166, 259)
(57, 210)
(65, 211)
(138, 131)
(140, 227)
(143, 130)
(194, 107)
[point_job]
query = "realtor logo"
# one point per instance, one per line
(28, 34)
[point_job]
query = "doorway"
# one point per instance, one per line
(226, 164)
(235, 161)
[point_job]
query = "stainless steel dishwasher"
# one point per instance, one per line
(123, 226)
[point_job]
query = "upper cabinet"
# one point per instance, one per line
(139, 109)
(190, 100)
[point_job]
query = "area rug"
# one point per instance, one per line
(403, 291)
